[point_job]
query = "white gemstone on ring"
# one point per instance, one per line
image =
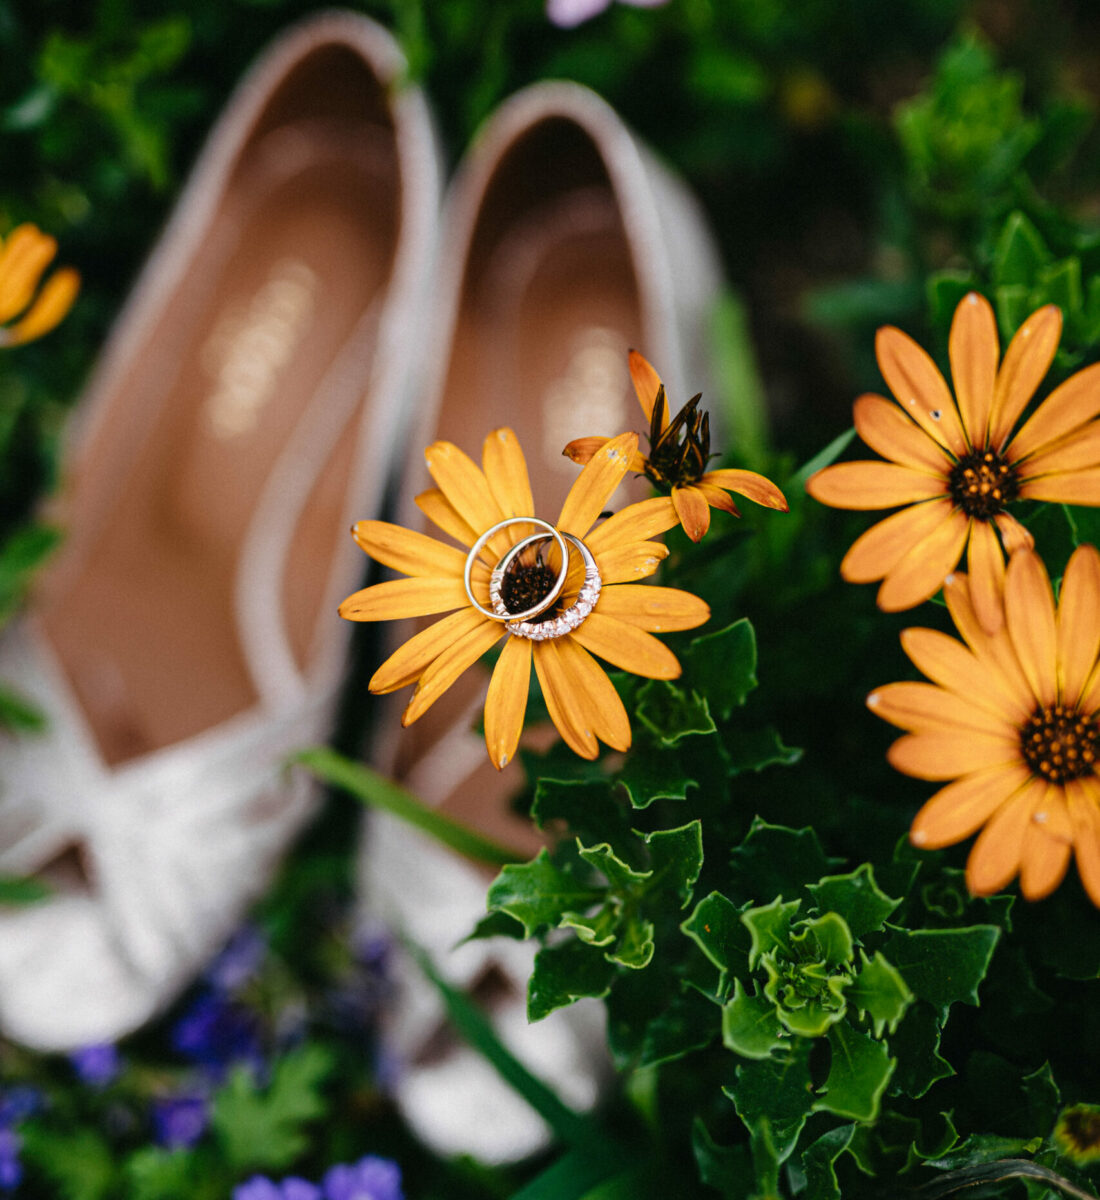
(575, 614)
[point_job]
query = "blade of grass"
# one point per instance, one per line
(832, 451)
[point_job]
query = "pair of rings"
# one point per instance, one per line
(521, 623)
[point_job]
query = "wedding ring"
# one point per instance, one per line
(499, 612)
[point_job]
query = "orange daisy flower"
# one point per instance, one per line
(959, 467)
(1012, 718)
(24, 255)
(679, 450)
(511, 581)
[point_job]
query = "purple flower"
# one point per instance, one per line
(179, 1121)
(239, 962)
(259, 1187)
(18, 1103)
(96, 1065)
(371, 1178)
(216, 1032)
(11, 1169)
(568, 13)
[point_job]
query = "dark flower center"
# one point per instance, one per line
(1059, 744)
(982, 483)
(678, 454)
(525, 584)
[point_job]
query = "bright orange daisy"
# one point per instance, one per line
(958, 466)
(557, 594)
(679, 449)
(24, 256)
(1012, 719)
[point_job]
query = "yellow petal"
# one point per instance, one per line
(647, 383)
(965, 805)
(603, 709)
(1026, 361)
(994, 651)
(438, 509)
(506, 701)
(626, 646)
(1029, 615)
(506, 470)
(1077, 451)
(408, 662)
(1064, 487)
(49, 309)
(995, 859)
(693, 510)
(561, 703)
(463, 484)
(580, 450)
(881, 547)
(987, 570)
(919, 574)
(655, 609)
(869, 485)
(948, 755)
(1085, 814)
(1043, 862)
(1078, 623)
(717, 497)
(919, 387)
(26, 253)
(445, 668)
(950, 664)
(1013, 534)
(624, 564)
(923, 707)
(753, 486)
(1071, 405)
(406, 550)
(592, 488)
(889, 432)
(974, 349)
(399, 598)
(636, 523)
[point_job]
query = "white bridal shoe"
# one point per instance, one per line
(246, 410)
(564, 244)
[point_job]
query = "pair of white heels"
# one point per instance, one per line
(306, 314)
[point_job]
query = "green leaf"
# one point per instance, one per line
(1019, 254)
(880, 992)
(742, 395)
(774, 860)
(916, 1044)
(777, 1090)
(1044, 1098)
(945, 289)
(981, 1148)
(769, 928)
(690, 1022)
(750, 1025)
(819, 1163)
(153, 1173)
(19, 715)
(858, 1074)
(716, 928)
(676, 858)
(15, 890)
(722, 666)
(726, 1168)
(822, 459)
(654, 772)
(1060, 283)
(266, 1128)
(496, 924)
(565, 973)
(600, 930)
(755, 749)
(80, 1164)
(634, 948)
(20, 555)
(622, 877)
(856, 897)
(826, 939)
(943, 966)
(587, 808)
(538, 893)
(573, 1175)
(672, 714)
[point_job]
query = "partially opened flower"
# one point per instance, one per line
(559, 595)
(24, 256)
(957, 466)
(1012, 719)
(679, 449)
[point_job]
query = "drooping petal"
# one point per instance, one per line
(1071, 405)
(1026, 361)
(870, 485)
(987, 570)
(602, 708)
(919, 387)
(647, 383)
(409, 661)
(965, 805)
(560, 702)
(463, 483)
(925, 708)
(407, 551)
(994, 651)
(397, 598)
(459, 656)
(881, 547)
(950, 664)
(592, 488)
(580, 450)
(717, 497)
(693, 510)
(506, 470)
(1084, 810)
(1064, 487)
(1078, 623)
(636, 523)
(624, 564)
(439, 510)
(25, 254)
(1029, 614)
(919, 574)
(753, 486)
(995, 858)
(1014, 535)
(1077, 451)
(974, 350)
(1043, 862)
(655, 609)
(947, 755)
(890, 433)
(626, 646)
(49, 309)
(506, 701)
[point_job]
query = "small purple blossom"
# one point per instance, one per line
(216, 1032)
(179, 1121)
(239, 962)
(371, 1178)
(97, 1065)
(259, 1187)
(19, 1103)
(11, 1169)
(568, 13)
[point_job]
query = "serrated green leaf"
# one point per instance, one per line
(858, 1074)
(753, 750)
(654, 772)
(769, 927)
(634, 948)
(153, 1173)
(825, 938)
(564, 973)
(777, 1090)
(266, 1128)
(856, 897)
(725, 1168)
(1019, 254)
(819, 1163)
(808, 998)
(1013, 306)
(688, 1023)
(671, 713)
(80, 1164)
(1044, 1098)
(774, 860)
(538, 893)
(496, 924)
(981, 1148)
(880, 992)
(676, 858)
(916, 1044)
(600, 930)
(716, 928)
(1060, 283)
(750, 1025)
(587, 808)
(722, 666)
(620, 875)
(943, 966)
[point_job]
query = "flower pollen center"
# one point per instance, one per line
(1059, 744)
(982, 483)
(524, 585)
